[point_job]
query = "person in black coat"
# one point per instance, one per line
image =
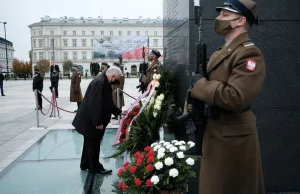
(54, 78)
(1, 82)
(37, 84)
(93, 117)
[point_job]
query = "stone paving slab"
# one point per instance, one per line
(18, 115)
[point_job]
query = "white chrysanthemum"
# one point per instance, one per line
(154, 76)
(158, 76)
(161, 97)
(157, 107)
(160, 155)
(180, 155)
(169, 146)
(157, 102)
(174, 141)
(161, 150)
(178, 143)
(162, 141)
(154, 114)
(151, 101)
(173, 149)
(156, 147)
(154, 179)
(169, 161)
(190, 161)
(154, 144)
(166, 143)
(183, 148)
(158, 165)
(157, 84)
(182, 142)
(173, 172)
(191, 144)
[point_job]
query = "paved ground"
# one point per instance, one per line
(18, 115)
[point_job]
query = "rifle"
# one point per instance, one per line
(143, 70)
(194, 120)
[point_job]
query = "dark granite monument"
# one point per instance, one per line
(277, 108)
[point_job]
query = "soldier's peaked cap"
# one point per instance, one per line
(247, 8)
(156, 53)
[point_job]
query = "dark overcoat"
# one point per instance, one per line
(75, 89)
(96, 108)
(231, 160)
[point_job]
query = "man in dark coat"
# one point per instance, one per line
(93, 117)
(75, 90)
(1, 82)
(54, 78)
(37, 84)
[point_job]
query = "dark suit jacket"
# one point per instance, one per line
(96, 108)
(38, 83)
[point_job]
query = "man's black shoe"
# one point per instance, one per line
(3, 95)
(104, 171)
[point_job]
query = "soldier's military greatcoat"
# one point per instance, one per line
(146, 79)
(75, 90)
(231, 161)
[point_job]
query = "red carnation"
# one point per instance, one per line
(137, 182)
(149, 167)
(141, 156)
(120, 172)
(130, 114)
(147, 149)
(125, 164)
(132, 169)
(136, 108)
(150, 153)
(139, 161)
(123, 187)
(126, 168)
(123, 130)
(124, 122)
(135, 113)
(150, 159)
(148, 183)
(120, 185)
(136, 155)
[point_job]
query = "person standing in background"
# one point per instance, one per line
(54, 78)
(37, 84)
(75, 89)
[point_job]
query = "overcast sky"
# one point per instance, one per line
(20, 13)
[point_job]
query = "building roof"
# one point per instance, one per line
(94, 21)
(3, 41)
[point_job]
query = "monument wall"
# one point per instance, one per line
(277, 108)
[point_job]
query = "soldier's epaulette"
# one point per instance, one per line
(246, 44)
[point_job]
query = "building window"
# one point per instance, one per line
(111, 33)
(65, 43)
(93, 33)
(83, 42)
(41, 55)
(75, 55)
(51, 32)
(33, 33)
(65, 55)
(146, 33)
(137, 33)
(92, 54)
(120, 33)
(74, 43)
(51, 43)
(40, 33)
(155, 33)
(65, 33)
(83, 33)
(34, 57)
(34, 43)
(74, 33)
(155, 42)
(92, 42)
(128, 33)
(40, 43)
(83, 55)
(102, 32)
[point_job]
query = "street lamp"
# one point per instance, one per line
(4, 23)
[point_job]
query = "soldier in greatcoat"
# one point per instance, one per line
(75, 89)
(153, 68)
(231, 159)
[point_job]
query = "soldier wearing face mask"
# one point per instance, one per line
(153, 68)
(231, 159)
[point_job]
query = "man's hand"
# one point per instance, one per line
(99, 127)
